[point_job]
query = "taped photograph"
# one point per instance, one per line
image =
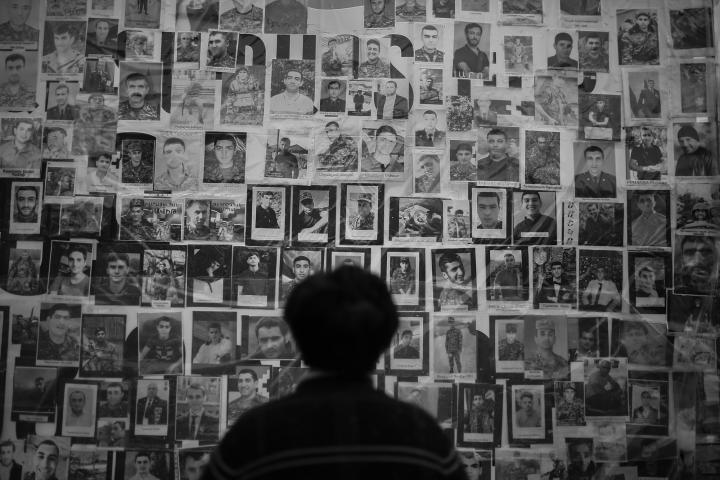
(268, 215)
(80, 401)
(102, 345)
(160, 345)
(150, 219)
(243, 96)
(25, 207)
(151, 411)
(454, 279)
(213, 340)
(480, 410)
(404, 272)
(163, 276)
(416, 219)
(314, 215)
(34, 394)
(409, 348)
(458, 227)
(361, 214)
(117, 281)
(527, 409)
(507, 274)
(554, 278)
(209, 274)
(534, 214)
(254, 277)
(70, 269)
(266, 338)
(198, 409)
(58, 338)
(297, 265)
(454, 346)
(606, 388)
(600, 284)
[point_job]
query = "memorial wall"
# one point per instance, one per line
(537, 180)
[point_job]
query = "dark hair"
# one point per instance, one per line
(78, 248)
(62, 85)
(593, 148)
(383, 129)
(371, 41)
(224, 136)
(50, 130)
(12, 58)
(556, 262)
(56, 307)
(173, 141)
(142, 454)
(8, 443)
(430, 112)
(448, 257)
(428, 27)
(345, 303)
(164, 318)
(497, 131)
(218, 32)
(247, 371)
(300, 258)
(489, 195)
(117, 257)
(391, 81)
(64, 27)
(527, 394)
(271, 322)
(26, 187)
(563, 36)
(464, 146)
(634, 325)
(333, 82)
(52, 444)
(114, 385)
(121, 423)
(137, 76)
(332, 122)
(104, 155)
(530, 192)
(473, 25)
(406, 332)
(215, 325)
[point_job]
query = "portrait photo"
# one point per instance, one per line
(426, 170)
(137, 156)
(163, 276)
(82, 217)
(641, 342)
(192, 102)
(23, 271)
(555, 278)
(102, 345)
(160, 344)
(454, 346)
(151, 407)
(480, 411)
(490, 214)
(437, 399)
(18, 78)
(26, 207)
(102, 37)
(178, 161)
(695, 94)
(588, 337)
(593, 50)
(649, 407)
(336, 149)
(507, 274)
(244, 16)
(404, 271)
(213, 340)
(150, 218)
(379, 13)
(454, 279)
(117, 279)
(266, 338)
(556, 98)
(142, 463)
(140, 91)
(410, 10)
(292, 87)
(100, 76)
(646, 154)
(508, 335)
(254, 276)
(187, 47)
(691, 28)
(600, 284)
(546, 348)
(63, 50)
(644, 98)
(242, 96)
(296, 265)
(527, 404)
(20, 26)
(61, 101)
(463, 163)
(20, 133)
(249, 387)
(498, 154)
(383, 150)
(694, 147)
(518, 50)
(409, 348)
(415, 218)
(79, 409)
(337, 57)
(652, 456)
(142, 14)
(70, 269)
(430, 85)
(39, 448)
(606, 387)
(268, 215)
(637, 33)
(542, 158)
(648, 222)
(458, 218)
(284, 17)
(534, 216)
(339, 257)
(58, 335)
(361, 213)
(610, 443)
(140, 45)
(313, 215)
(332, 96)
(34, 393)
(432, 40)
(692, 313)
(467, 38)
(600, 116)
(430, 128)
(570, 404)
(286, 154)
(360, 94)
(595, 173)
(218, 50)
(197, 409)
(209, 274)
(103, 172)
(601, 223)
(650, 274)
(60, 182)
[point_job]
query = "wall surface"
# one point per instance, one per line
(537, 180)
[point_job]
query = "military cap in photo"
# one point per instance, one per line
(365, 197)
(688, 131)
(134, 147)
(137, 202)
(544, 324)
(405, 259)
(510, 328)
(305, 196)
(604, 364)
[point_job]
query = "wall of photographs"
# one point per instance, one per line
(537, 180)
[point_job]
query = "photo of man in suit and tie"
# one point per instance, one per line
(196, 423)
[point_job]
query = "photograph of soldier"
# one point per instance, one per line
(555, 279)
(140, 84)
(404, 273)
(337, 150)
(518, 51)
(543, 342)
(562, 44)
(463, 167)
(542, 157)
(134, 223)
(138, 157)
(528, 411)
(454, 340)
(471, 41)
(606, 387)
(691, 28)
(359, 93)
(534, 224)
(443, 8)
(593, 50)
(243, 96)
(389, 103)
(431, 86)
(454, 282)
(266, 338)
(102, 345)
(241, 15)
(646, 151)
(247, 389)
(286, 16)
(649, 273)
(64, 47)
(410, 10)
(435, 398)
(694, 150)
(221, 50)
(430, 37)
(20, 154)
(600, 280)
(151, 412)
(427, 172)
(569, 404)
(379, 13)
(362, 213)
(99, 76)
(595, 170)
(71, 265)
(642, 343)
(383, 150)
(58, 339)
(144, 464)
(177, 163)
(600, 116)
(507, 278)
(643, 95)
(429, 135)
(113, 400)
(646, 403)
(498, 155)
(102, 37)
(637, 32)
(480, 409)
(337, 58)
(292, 87)
(102, 174)
(556, 98)
(489, 211)
(580, 455)
(334, 101)
(509, 347)
(160, 345)
(23, 272)
(253, 276)
(214, 338)
(648, 224)
(197, 220)
(34, 393)
(457, 220)
(79, 410)
(19, 24)
(197, 409)
(313, 215)
(209, 269)
(601, 224)
(696, 264)
(408, 352)
(61, 103)
(374, 59)
(17, 88)
(296, 266)
(224, 158)
(187, 47)
(163, 277)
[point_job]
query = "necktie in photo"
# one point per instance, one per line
(597, 295)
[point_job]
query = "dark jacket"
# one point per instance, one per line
(333, 428)
(400, 109)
